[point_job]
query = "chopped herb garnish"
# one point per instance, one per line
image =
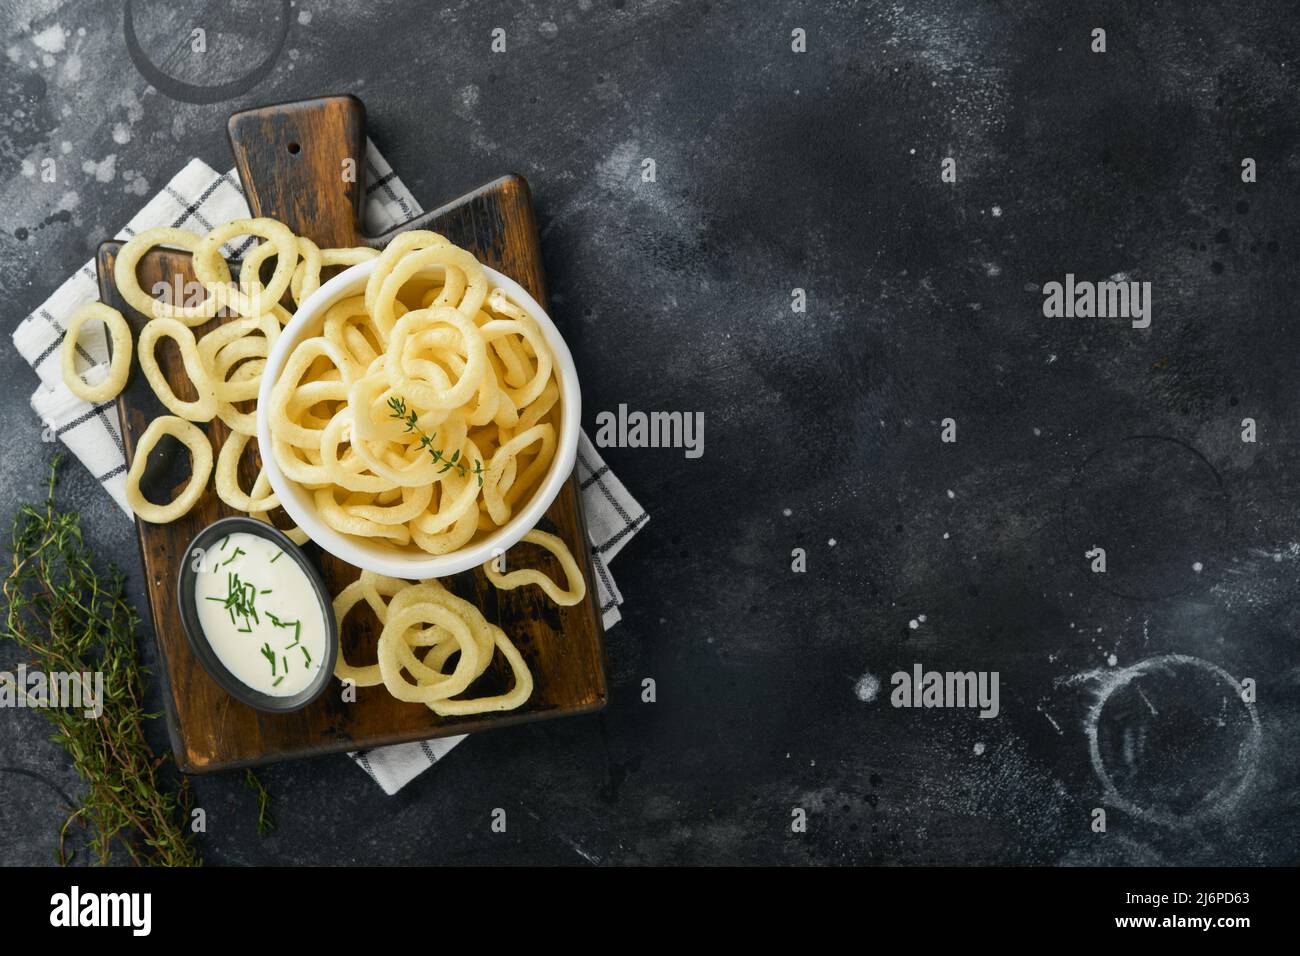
(240, 603)
(224, 542)
(278, 556)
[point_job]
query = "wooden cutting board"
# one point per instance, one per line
(292, 160)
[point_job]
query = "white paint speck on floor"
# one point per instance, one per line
(51, 39)
(867, 687)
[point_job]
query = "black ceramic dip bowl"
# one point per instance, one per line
(208, 543)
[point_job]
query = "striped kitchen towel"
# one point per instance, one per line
(197, 199)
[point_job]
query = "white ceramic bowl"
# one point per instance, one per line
(379, 555)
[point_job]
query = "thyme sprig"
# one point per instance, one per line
(71, 617)
(411, 420)
(265, 822)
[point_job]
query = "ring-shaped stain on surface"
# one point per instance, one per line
(240, 44)
(1171, 739)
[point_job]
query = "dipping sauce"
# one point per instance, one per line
(260, 614)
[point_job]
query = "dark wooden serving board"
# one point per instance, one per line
(291, 160)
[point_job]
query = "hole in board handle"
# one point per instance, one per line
(295, 149)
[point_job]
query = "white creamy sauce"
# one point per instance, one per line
(260, 614)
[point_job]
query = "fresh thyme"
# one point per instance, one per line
(71, 617)
(411, 420)
(265, 822)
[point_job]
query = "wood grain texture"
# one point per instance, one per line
(564, 647)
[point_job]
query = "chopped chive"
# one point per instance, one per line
(240, 601)
(267, 591)
(276, 682)
(224, 542)
(307, 654)
(278, 556)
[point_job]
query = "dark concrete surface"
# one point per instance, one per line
(819, 170)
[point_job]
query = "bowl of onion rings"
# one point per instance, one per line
(419, 413)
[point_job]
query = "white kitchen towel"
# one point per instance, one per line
(197, 199)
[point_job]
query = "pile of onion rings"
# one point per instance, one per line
(423, 411)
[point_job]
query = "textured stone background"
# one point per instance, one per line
(819, 170)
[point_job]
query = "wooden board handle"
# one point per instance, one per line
(304, 164)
